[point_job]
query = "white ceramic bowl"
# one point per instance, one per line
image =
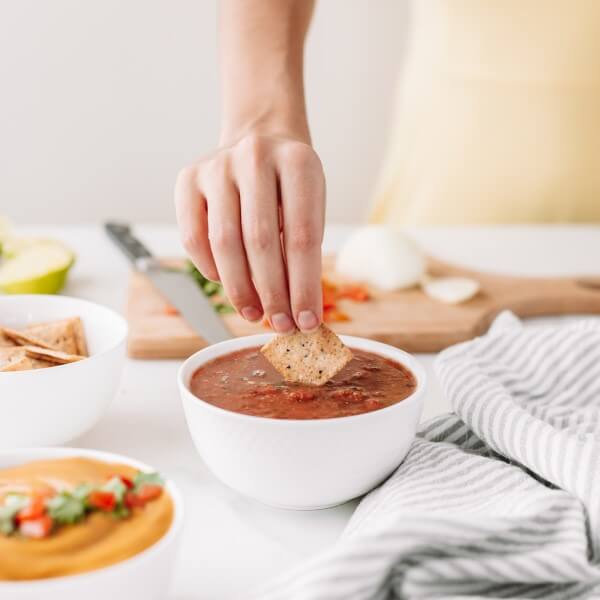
(301, 464)
(146, 575)
(51, 406)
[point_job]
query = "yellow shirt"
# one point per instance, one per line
(498, 115)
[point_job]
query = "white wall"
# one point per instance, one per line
(101, 101)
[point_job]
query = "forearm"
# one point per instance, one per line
(261, 49)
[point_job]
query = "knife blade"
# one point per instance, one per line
(177, 286)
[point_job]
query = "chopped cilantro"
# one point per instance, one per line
(70, 506)
(15, 501)
(7, 525)
(121, 512)
(82, 491)
(7, 519)
(223, 308)
(66, 508)
(116, 487)
(211, 289)
(141, 479)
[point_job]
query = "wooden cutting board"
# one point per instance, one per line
(408, 319)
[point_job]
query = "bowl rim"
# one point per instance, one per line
(58, 299)
(69, 451)
(194, 361)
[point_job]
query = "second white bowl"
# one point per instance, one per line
(302, 464)
(52, 406)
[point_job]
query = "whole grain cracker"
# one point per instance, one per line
(310, 358)
(5, 342)
(11, 353)
(13, 359)
(66, 335)
(23, 339)
(20, 364)
(52, 356)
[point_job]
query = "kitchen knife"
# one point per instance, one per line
(177, 286)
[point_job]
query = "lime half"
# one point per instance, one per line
(40, 267)
(6, 231)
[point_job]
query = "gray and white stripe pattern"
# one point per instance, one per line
(500, 499)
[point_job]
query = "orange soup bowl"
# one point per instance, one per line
(145, 575)
(302, 464)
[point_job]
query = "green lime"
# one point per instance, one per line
(37, 267)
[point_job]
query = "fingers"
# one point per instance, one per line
(252, 217)
(225, 237)
(260, 229)
(192, 217)
(303, 202)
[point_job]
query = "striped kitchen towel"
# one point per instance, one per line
(499, 499)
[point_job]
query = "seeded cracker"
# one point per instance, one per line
(66, 335)
(52, 356)
(21, 338)
(5, 342)
(310, 358)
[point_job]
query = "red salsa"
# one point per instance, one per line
(245, 382)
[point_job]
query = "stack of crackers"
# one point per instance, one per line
(42, 345)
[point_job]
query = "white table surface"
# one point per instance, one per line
(232, 545)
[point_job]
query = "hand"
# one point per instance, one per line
(251, 215)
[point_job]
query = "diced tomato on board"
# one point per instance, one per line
(354, 292)
(333, 315)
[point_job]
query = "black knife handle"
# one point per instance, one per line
(121, 234)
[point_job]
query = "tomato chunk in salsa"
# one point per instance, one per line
(245, 382)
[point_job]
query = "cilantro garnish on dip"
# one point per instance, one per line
(38, 513)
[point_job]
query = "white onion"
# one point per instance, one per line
(382, 256)
(451, 290)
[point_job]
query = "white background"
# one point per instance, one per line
(101, 101)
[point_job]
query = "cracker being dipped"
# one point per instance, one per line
(309, 358)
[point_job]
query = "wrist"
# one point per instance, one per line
(264, 125)
(278, 110)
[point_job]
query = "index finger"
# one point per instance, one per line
(302, 188)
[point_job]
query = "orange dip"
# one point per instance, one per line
(97, 541)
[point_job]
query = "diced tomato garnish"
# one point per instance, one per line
(128, 483)
(33, 511)
(36, 528)
(101, 500)
(354, 292)
(170, 310)
(147, 493)
(132, 500)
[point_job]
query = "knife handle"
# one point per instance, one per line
(121, 234)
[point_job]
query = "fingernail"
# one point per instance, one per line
(282, 323)
(251, 313)
(307, 320)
